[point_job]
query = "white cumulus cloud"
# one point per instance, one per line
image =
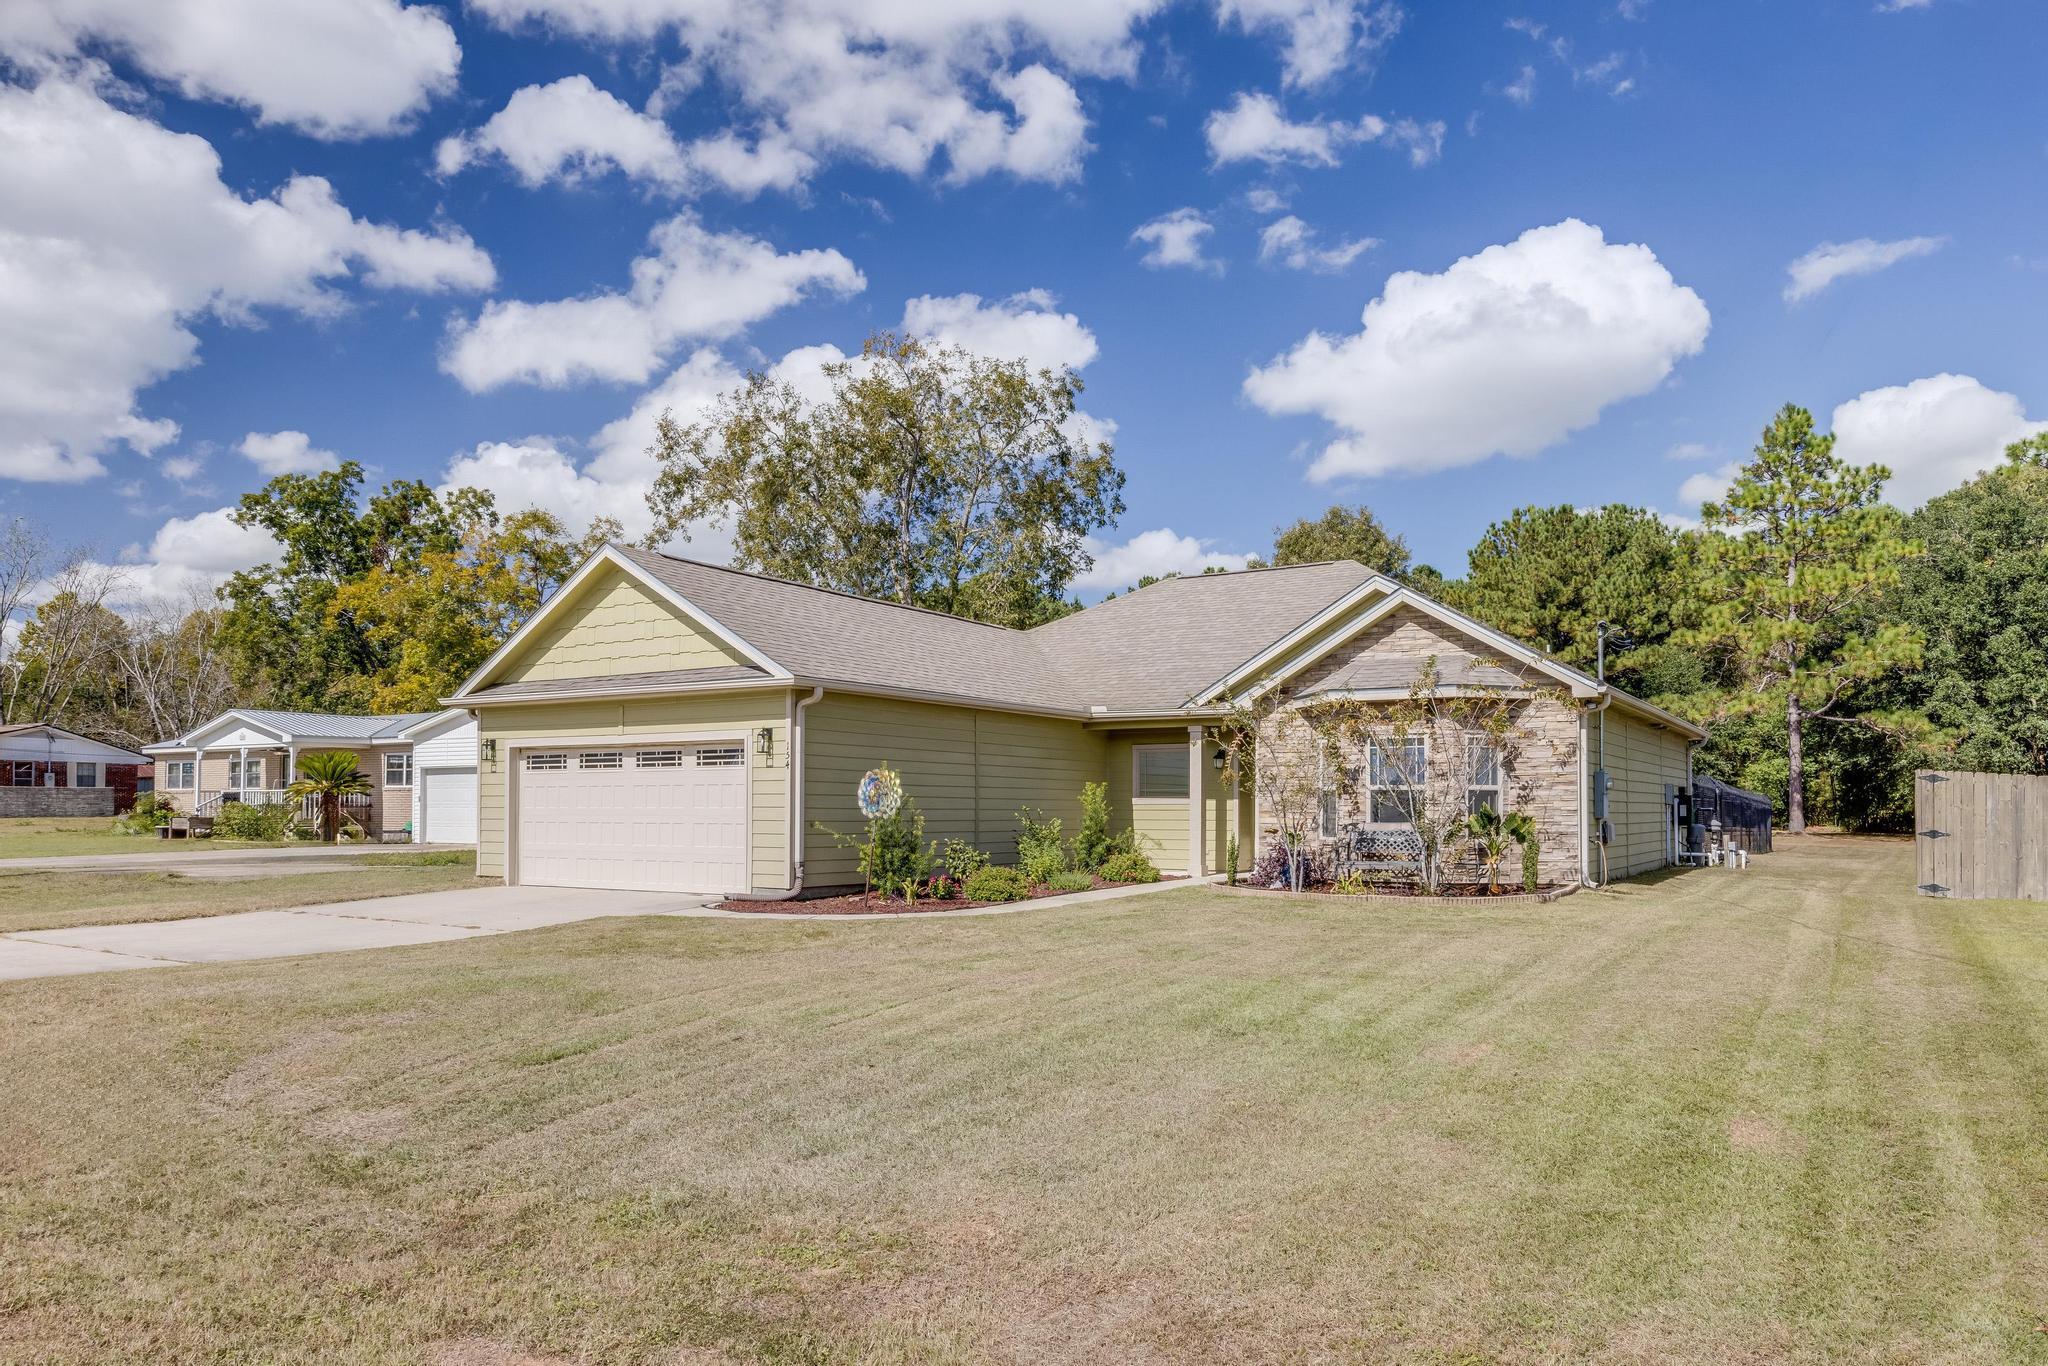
(1506, 352)
(1832, 261)
(1256, 128)
(116, 234)
(1933, 434)
(1175, 239)
(695, 284)
(1321, 37)
(1026, 326)
(1292, 243)
(332, 68)
(570, 130)
(276, 453)
(1158, 552)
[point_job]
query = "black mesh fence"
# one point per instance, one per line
(1745, 816)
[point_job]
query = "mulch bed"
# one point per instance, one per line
(858, 903)
(1449, 894)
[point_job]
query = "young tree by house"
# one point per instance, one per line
(1342, 533)
(1804, 545)
(1289, 753)
(929, 476)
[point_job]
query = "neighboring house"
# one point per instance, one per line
(49, 771)
(251, 755)
(665, 724)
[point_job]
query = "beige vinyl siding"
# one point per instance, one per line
(968, 770)
(614, 625)
(1161, 823)
(713, 715)
(1641, 758)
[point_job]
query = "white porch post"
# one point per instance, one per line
(242, 778)
(1197, 864)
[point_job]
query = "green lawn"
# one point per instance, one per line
(59, 900)
(63, 836)
(1795, 1114)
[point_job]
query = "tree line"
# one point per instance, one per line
(1830, 642)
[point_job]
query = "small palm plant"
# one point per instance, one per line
(1494, 834)
(329, 775)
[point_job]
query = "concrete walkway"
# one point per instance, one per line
(418, 918)
(155, 860)
(381, 922)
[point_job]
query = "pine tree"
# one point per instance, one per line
(1803, 544)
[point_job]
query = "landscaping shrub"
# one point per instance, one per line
(996, 884)
(961, 860)
(1041, 850)
(1129, 868)
(1317, 867)
(1531, 856)
(1076, 881)
(1094, 845)
(149, 812)
(242, 821)
(1354, 883)
(894, 858)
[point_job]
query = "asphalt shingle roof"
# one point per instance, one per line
(1147, 651)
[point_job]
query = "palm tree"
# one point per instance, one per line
(330, 775)
(1494, 833)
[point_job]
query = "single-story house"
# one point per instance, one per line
(49, 771)
(421, 766)
(661, 723)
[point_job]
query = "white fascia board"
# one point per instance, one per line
(1378, 583)
(609, 555)
(193, 739)
(433, 725)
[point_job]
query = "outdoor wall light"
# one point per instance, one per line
(1220, 758)
(490, 751)
(764, 741)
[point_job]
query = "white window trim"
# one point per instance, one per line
(388, 757)
(1368, 789)
(238, 773)
(1180, 749)
(92, 764)
(1499, 786)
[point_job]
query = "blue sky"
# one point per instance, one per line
(1580, 220)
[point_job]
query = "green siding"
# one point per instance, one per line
(739, 714)
(613, 625)
(1641, 758)
(968, 770)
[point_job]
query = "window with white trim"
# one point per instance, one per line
(1394, 768)
(178, 773)
(1160, 772)
(1334, 780)
(1483, 762)
(546, 763)
(241, 774)
(601, 758)
(21, 773)
(398, 770)
(721, 756)
(85, 775)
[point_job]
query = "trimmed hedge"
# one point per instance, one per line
(1129, 868)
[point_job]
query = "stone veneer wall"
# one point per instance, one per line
(1542, 780)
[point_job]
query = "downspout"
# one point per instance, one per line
(796, 807)
(1586, 794)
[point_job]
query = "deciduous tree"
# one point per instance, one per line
(1342, 533)
(929, 475)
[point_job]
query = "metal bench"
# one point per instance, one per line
(1366, 850)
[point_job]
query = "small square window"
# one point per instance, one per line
(398, 770)
(1162, 772)
(85, 775)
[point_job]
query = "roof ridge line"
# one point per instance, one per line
(819, 588)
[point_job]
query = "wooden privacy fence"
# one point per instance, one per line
(1981, 835)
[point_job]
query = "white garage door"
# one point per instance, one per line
(448, 805)
(655, 818)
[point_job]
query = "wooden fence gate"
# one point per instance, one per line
(1981, 835)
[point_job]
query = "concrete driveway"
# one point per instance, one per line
(193, 860)
(382, 922)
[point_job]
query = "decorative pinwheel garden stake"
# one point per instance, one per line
(881, 793)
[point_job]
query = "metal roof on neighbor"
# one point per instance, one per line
(316, 725)
(658, 680)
